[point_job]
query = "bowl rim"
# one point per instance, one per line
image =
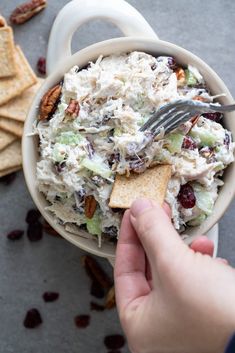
(62, 68)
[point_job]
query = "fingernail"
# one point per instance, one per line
(139, 206)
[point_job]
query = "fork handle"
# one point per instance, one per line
(222, 108)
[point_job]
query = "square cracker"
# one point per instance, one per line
(11, 87)
(14, 127)
(17, 108)
(151, 184)
(7, 57)
(6, 139)
(9, 171)
(11, 156)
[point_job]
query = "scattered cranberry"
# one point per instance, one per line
(213, 116)
(227, 139)
(41, 65)
(32, 318)
(96, 290)
(186, 196)
(32, 216)
(114, 341)
(34, 231)
(49, 230)
(15, 234)
(96, 306)
(82, 321)
(189, 143)
(50, 296)
(8, 179)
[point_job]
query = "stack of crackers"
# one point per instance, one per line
(18, 86)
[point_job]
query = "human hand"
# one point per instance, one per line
(170, 298)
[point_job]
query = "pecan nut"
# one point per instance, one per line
(2, 21)
(180, 75)
(73, 109)
(90, 206)
(110, 301)
(49, 102)
(95, 272)
(27, 10)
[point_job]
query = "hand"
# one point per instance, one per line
(170, 298)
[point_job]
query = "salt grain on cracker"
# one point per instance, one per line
(151, 184)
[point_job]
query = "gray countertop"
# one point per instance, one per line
(28, 269)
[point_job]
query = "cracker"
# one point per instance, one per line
(6, 139)
(151, 184)
(11, 156)
(14, 127)
(7, 57)
(11, 87)
(17, 108)
(9, 171)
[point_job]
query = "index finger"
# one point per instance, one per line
(130, 266)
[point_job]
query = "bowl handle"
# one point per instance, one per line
(77, 12)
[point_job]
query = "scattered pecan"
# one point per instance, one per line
(49, 102)
(2, 21)
(180, 75)
(90, 206)
(49, 230)
(27, 10)
(95, 272)
(73, 109)
(110, 301)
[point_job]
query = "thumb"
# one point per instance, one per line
(155, 231)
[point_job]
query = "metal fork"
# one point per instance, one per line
(171, 115)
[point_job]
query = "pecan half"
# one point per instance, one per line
(2, 21)
(110, 301)
(95, 272)
(27, 10)
(180, 75)
(73, 109)
(49, 102)
(90, 206)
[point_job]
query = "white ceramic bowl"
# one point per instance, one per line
(140, 36)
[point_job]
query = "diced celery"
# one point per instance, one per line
(97, 166)
(174, 142)
(117, 131)
(190, 78)
(206, 137)
(197, 221)
(69, 138)
(58, 153)
(204, 200)
(93, 224)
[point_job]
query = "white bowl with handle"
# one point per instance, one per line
(138, 36)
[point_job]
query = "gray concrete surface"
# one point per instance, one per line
(28, 269)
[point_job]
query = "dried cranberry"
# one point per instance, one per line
(227, 139)
(59, 166)
(32, 216)
(49, 230)
(96, 290)
(114, 341)
(8, 179)
(186, 196)
(41, 65)
(32, 318)
(213, 116)
(15, 234)
(96, 306)
(82, 321)
(50, 296)
(189, 143)
(34, 231)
